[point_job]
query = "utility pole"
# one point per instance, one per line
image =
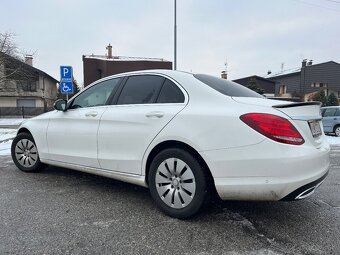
(175, 36)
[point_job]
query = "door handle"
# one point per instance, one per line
(91, 114)
(155, 114)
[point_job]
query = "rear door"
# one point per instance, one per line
(144, 106)
(328, 119)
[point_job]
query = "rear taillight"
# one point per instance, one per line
(274, 127)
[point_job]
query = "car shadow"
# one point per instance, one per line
(216, 208)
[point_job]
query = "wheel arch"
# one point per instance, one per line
(335, 127)
(178, 144)
(24, 130)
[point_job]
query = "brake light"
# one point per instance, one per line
(274, 127)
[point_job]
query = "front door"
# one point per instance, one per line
(72, 135)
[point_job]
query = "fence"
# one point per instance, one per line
(23, 112)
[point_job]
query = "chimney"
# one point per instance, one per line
(269, 72)
(310, 62)
(224, 75)
(109, 51)
(29, 60)
(304, 63)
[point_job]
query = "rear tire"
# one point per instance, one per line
(337, 130)
(177, 183)
(25, 153)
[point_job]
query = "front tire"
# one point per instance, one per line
(25, 153)
(177, 183)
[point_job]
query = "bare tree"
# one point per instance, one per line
(8, 46)
(12, 65)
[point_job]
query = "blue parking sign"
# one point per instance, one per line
(66, 73)
(66, 87)
(66, 80)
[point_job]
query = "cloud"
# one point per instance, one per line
(253, 36)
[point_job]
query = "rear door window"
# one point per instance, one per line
(226, 87)
(170, 93)
(329, 112)
(141, 89)
(337, 112)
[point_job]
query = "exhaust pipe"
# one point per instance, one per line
(306, 190)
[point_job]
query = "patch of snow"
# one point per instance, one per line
(6, 137)
(5, 148)
(333, 140)
(10, 121)
(6, 133)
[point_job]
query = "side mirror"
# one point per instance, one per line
(60, 105)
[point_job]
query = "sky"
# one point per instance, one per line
(252, 36)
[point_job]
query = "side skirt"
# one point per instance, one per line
(130, 178)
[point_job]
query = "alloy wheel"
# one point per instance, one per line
(175, 183)
(337, 131)
(26, 153)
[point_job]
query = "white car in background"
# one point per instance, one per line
(182, 135)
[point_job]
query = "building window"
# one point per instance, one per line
(27, 85)
(283, 89)
(100, 73)
(319, 85)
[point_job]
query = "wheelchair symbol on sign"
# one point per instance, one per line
(65, 88)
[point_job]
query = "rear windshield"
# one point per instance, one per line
(226, 87)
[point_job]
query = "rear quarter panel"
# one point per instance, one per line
(212, 125)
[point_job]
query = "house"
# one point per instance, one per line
(305, 81)
(96, 67)
(22, 85)
(268, 86)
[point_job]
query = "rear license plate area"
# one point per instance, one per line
(315, 128)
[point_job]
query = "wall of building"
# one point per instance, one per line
(95, 69)
(12, 101)
(8, 102)
(292, 82)
(267, 85)
(48, 89)
(326, 73)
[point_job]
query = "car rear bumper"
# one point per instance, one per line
(266, 172)
(305, 190)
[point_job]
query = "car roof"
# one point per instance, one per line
(326, 107)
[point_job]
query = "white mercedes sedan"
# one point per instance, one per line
(184, 136)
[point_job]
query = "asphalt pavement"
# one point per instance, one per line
(60, 211)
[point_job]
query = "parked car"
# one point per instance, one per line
(331, 119)
(183, 136)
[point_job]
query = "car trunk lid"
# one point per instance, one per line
(306, 116)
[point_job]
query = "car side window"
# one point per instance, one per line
(170, 93)
(337, 113)
(329, 112)
(97, 95)
(141, 89)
